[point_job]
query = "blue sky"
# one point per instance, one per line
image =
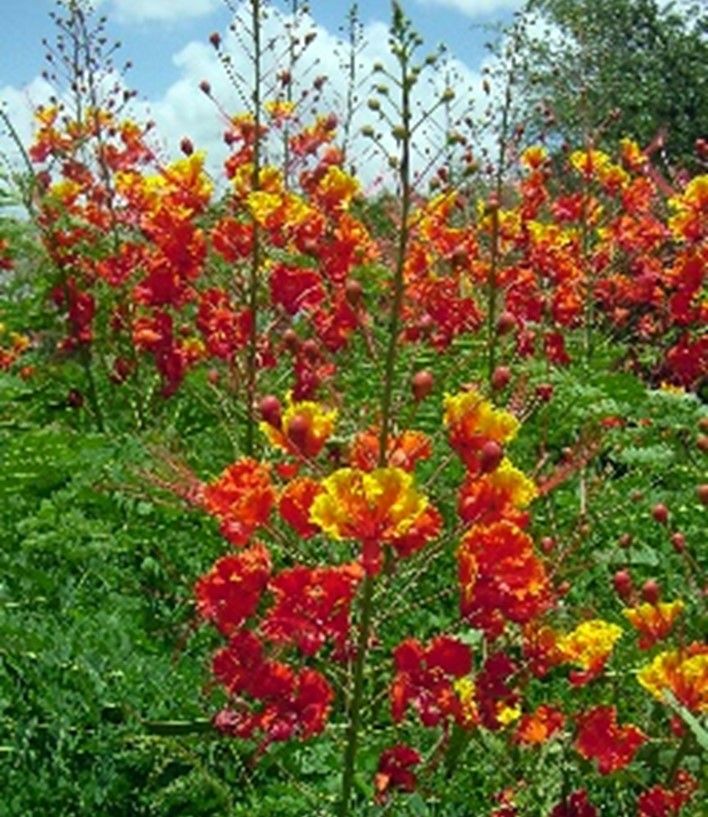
(167, 43)
(151, 35)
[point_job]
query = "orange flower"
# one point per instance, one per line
(241, 498)
(653, 622)
(500, 577)
(684, 673)
(381, 506)
(539, 726)
(426, 528)
(540, 648)
(296, 502)
(404, 450)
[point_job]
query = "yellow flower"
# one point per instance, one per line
(589, 162)
(508, 714)
(466, 689)
(590, 643)
(632, 154)
(337, 187)
(46, 114)
(378, 506)
(534, 156)
(263, 205)
(66, 191)
(270, 179)
(296, 210)
(187, 175)
(613, 176)
(513, 483)
(691, 206)
(279, 109)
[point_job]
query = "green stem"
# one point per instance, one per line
(251, 373)
(86, 362)
(398, 281)
(357, 695)
(681, 752)
(492, 295)
(353, 727)
(178, 727)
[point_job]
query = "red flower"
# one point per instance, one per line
(554, 346)
(312, 605)
(661, 802)
(601, 738)
(425, 678)
(232, 239)
(230, 592)
(295, 288)
(576, 805)
(335, 325)
(495, 698)
(292, 704)
(394, 770)
(223, 329)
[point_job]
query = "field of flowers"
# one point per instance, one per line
(325, 498)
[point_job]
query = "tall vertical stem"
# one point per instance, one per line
(354, 724)
(494, 249)
(353, 20)
(256, 251)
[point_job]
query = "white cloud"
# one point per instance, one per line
(139, 11)
(475, 8)
(18, 104)
(185, 111)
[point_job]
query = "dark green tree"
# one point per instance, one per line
(610, 68)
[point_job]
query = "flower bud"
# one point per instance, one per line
(271, 410)
(490, 456)
(422, 384)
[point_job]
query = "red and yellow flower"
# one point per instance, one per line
(472, 421)
(305, 427)
(682, 672)
(589, 646)
(373, 508)
(653, 622)
(502, 494)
